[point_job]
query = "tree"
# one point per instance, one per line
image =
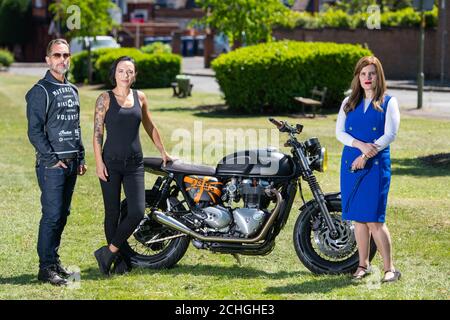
(84, 18)
(249, 21)
(15, 15)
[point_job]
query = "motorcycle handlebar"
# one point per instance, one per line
(278, 124)
(283, 126)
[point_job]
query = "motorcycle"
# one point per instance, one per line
(240, 206)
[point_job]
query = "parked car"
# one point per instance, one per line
(78, 44)
(221, 44)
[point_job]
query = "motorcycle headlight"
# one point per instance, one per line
(317, 155)
(323, 160)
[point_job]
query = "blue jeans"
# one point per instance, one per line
(57, 185)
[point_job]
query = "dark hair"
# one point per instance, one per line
(56, 41)
(112, 71)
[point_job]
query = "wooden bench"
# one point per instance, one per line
(180, 92)
(315, 102)
(182, 87)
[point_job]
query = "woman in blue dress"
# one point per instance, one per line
(367, 123)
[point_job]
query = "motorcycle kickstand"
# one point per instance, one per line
(238, 259)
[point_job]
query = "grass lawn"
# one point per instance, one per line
(418, 216)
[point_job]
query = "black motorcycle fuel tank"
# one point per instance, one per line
(259, 162)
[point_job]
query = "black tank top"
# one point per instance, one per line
(122, 129)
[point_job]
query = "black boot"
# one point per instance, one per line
(105, 259)
(121, 265)
(50, 275)
(62, 271)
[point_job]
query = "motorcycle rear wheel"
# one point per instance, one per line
(159, 255)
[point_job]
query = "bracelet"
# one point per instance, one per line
(363, 156)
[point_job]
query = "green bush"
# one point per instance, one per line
(408, 17)
(304, 20)
(157, 47)
(268, 76)
(154, 70)
(405, 18)
(6, 58)
(79, 65)
(432, 17)
(333, 18)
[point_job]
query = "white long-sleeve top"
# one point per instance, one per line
(391, 125)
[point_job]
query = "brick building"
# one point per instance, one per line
(139, 19)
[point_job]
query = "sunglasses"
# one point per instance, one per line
(59, 55)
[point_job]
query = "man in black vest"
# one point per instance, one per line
(53, 113)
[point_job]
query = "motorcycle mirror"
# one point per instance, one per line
(299, 128)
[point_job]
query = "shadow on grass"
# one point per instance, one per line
(219, 272)
(222, 111)
(319, 285)
(434, 165)
(31, 279)
(224, 272)
(23, 279)
(209, 111)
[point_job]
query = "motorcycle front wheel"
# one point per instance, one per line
(153, 245)
(321, 253)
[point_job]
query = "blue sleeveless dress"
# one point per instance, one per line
(365, 192)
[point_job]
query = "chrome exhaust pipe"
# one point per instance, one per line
(173, 223)
(177, 225)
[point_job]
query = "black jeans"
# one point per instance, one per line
(130, 174)
(57, 185)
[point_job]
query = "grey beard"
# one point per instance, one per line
(62, 71)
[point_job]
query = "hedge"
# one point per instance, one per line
(6, 58)
(154, 70)
(79, 65)
(157, 47)
(267, 76)
(333, 18)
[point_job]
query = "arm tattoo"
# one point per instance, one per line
(99, 119)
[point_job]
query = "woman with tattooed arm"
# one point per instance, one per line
(120, 160)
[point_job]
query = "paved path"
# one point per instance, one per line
(435, 104)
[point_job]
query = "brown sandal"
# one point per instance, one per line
(367, 271)
(397, 276)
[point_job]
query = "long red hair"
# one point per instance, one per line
(358, 92)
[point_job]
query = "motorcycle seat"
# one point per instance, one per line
(155, 163)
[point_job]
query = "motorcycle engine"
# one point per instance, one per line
(245, 221)
(217, 217)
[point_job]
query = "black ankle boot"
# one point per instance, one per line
(62, 271)
(51, 275)
(121, 265)
(105, 259)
